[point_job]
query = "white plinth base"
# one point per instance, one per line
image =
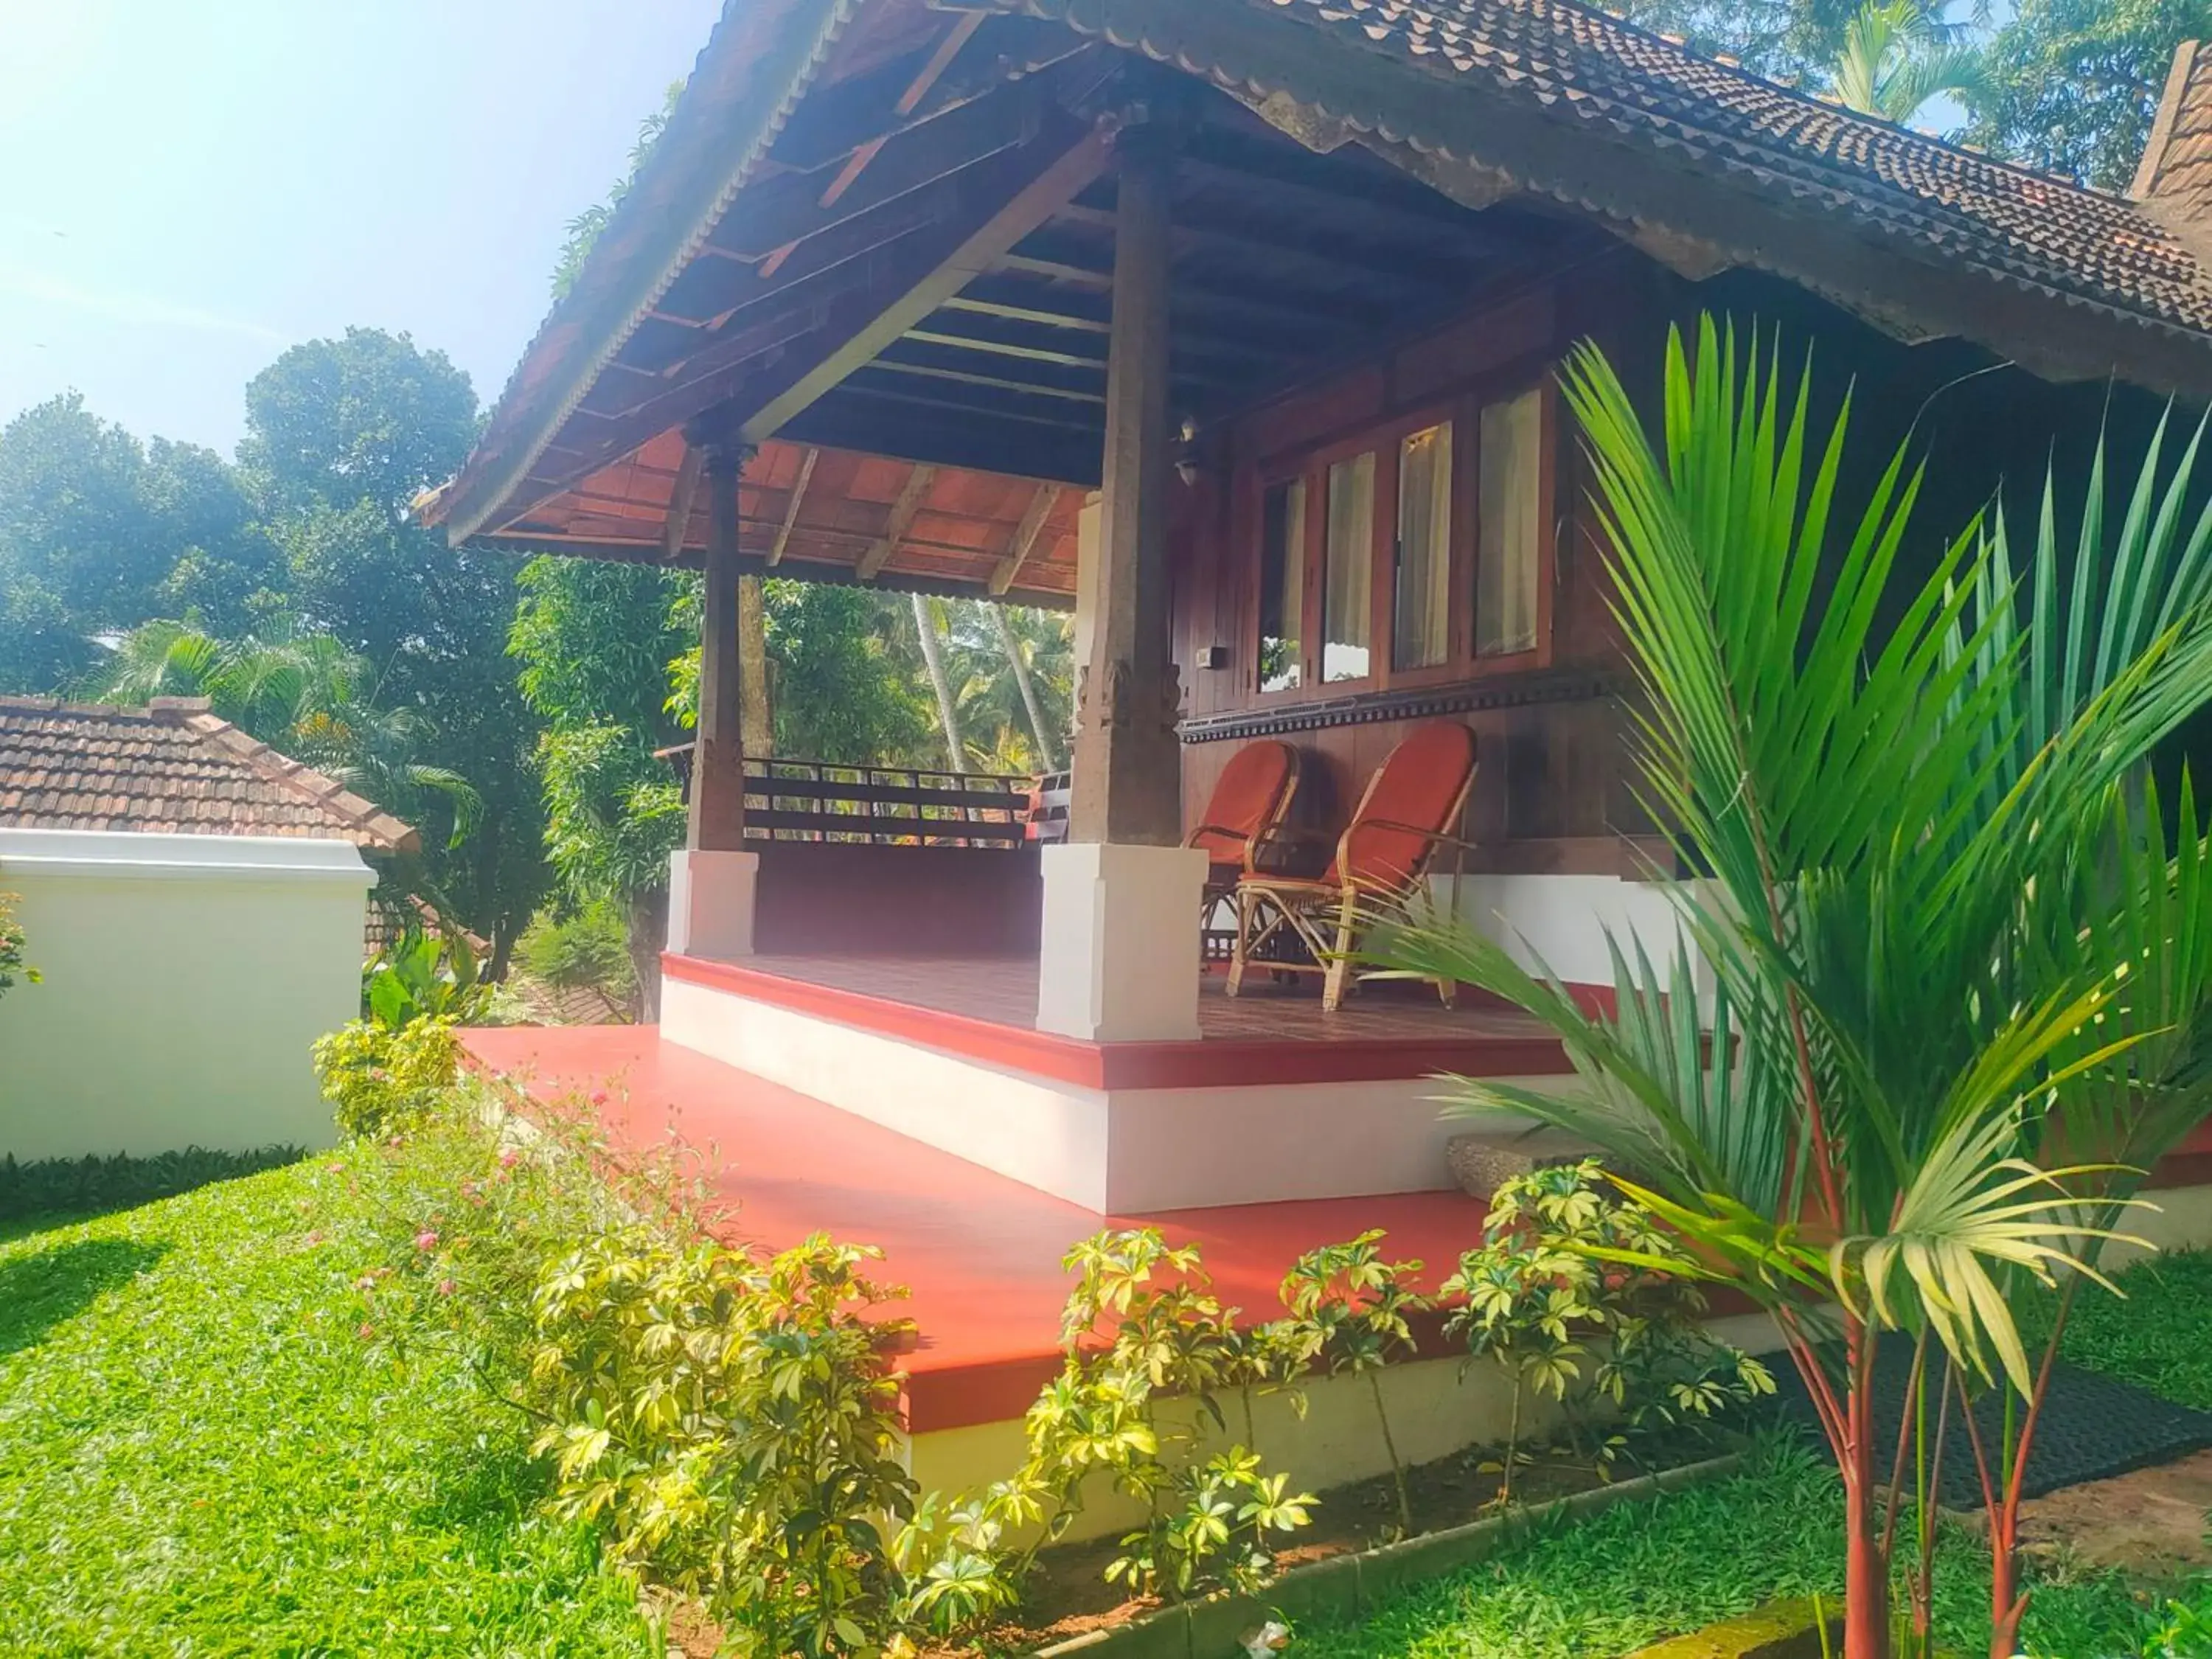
(710, 904)
(1120, 962)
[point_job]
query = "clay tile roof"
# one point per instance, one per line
(2175, 182)
(1956, 205)
(173, 768)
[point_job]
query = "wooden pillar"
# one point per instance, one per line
(717, 823)
(1128, 787)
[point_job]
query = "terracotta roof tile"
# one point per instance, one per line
(2010, 222)
(170, 767)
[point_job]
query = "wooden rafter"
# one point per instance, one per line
(759, 374)
(962, 31)
(895, 528)
(791, 508)
(1064, 166)
(681, 494)
(1025, 540)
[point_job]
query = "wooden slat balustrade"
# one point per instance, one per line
(789, 800)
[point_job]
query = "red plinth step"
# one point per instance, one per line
(980, 1253)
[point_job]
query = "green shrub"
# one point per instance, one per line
(590, 948)
(1571, 1292)
(1348, 1312)
(13, 966)
(379, 1079)
(73, 1186)
(1142, 1323)
(423, 977)
(734, 1423)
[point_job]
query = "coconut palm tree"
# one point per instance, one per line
(1900, 57)
(1960, 947)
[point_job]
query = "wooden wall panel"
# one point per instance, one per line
(1549, 770)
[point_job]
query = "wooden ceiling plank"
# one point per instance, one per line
(681, 495)
(791, 507)
(895, 528)
(1025, 538)
(1017, 314)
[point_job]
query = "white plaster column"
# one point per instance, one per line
(1120, 953)
(710, 903)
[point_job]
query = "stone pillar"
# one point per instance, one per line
(711, 882)
(1120, 953)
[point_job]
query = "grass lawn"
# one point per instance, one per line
(198, 1456)
(1601, 1588)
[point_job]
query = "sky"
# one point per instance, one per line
(189, 186)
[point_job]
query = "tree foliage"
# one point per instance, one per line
(2073, 85)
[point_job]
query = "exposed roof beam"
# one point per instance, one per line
(993, 382)
(984, 307)
(962, 31)
(1061, 165)
(895, 528)
(681, 494)
(874, 420)
(1025, 538)
(789, 208)
(835, 120)
(770, 370)
(755, 564)
(791, 508)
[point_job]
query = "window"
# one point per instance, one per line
(1413, 553)
(1420, 632)
(1510, 530)
(1282, 585)
(1348, 569)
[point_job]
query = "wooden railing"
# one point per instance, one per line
(880, 805)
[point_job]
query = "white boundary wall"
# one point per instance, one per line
(185, 977)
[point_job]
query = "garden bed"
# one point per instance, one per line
(1068, 1597)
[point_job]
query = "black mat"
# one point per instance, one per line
(2092, 1427)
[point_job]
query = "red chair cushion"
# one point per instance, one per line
(1419, 785)
(1247, 798)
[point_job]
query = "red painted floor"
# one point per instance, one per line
(979, 1253)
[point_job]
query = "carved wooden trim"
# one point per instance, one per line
(1469, 696)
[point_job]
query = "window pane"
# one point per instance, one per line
(1347, 631)
(1422, 609)
(1510, 534)
(1282, 583)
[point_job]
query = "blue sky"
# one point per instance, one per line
(189, 186)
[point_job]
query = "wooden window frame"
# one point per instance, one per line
(1386, 437)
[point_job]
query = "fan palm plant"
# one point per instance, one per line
(1951, 964)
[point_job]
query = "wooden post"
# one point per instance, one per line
(1128, 785)
(717, 822)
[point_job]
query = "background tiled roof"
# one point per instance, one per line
(173, 768)
(2175, 182)
(2046, 231)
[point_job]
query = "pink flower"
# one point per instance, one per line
(337, 1166)
(398, 1141)
(446, 1287)
(426, 1240)
(314, 1238)
(367, 1331)
(598, 1097)
(508, 1158)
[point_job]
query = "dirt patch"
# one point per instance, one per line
(2152, 1521)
